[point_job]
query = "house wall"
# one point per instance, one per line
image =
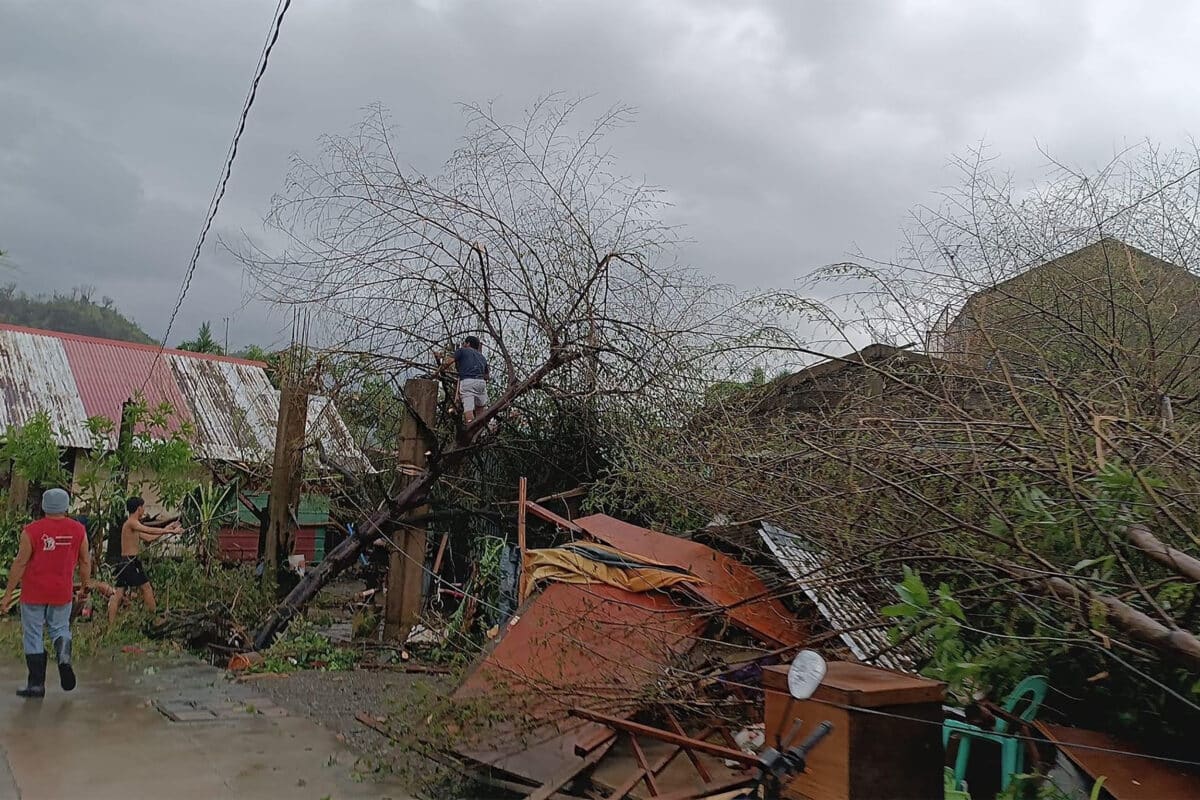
(1107, 307)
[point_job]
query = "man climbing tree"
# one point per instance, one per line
(471, 367)
(532, 238)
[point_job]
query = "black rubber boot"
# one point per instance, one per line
(36, 686)
(66, 673)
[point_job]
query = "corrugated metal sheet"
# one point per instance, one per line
(233, 404)
(230, 402)
(107, 373)
(728, 584)
(842, 606)
(35, 375)
(594, 647)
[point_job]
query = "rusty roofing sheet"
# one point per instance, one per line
(572, 646)
(1126, 777)
(728, 584)
(229, 401)
(35, 375)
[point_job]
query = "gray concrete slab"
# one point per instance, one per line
(107, 740)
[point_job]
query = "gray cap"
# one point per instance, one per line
(55, 501)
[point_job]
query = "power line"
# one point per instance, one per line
(214, 204)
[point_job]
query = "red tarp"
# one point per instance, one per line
(583, 646)
(727, 583)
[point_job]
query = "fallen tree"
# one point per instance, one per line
(529, 239)
(1036, 452)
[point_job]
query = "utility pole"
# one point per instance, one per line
(406, 562)
(286, 471)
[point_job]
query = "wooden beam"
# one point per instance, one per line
(522, 498)
(550, 787)
(660, 764)
(741, 757)
(406, 563)
(721, 790)
(554, 519)
(441, 553)
(647, 771)
(286, 469)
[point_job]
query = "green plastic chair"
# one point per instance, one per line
(1031, 691)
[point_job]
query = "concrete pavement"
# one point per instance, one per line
(107, 740)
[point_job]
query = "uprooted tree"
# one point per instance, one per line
(530, 239)
(1039, 459)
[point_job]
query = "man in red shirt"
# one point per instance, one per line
(50, 550)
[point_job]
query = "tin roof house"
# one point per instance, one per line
(228, 403)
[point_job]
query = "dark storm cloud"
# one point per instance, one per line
(787, 133)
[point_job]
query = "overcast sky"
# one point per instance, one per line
(789, 133)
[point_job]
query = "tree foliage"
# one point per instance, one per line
(76, 312)
(1047, 480)
(33, 453)
(204, 342)
(530, 238)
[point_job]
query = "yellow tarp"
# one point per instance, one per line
(629, 572)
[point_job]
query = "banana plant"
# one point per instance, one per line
(211, 507)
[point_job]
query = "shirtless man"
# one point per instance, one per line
(130, 574)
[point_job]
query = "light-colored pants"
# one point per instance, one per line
(36, 618)
(473, 392)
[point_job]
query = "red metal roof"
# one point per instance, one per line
(149, 348)
(108, 373)
(596, 647)
(230, 402)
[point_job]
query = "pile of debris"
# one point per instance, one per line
(631, 668)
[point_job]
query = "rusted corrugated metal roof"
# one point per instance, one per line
(35, 375)
(728, 584)
(595, 647)
(229, 401)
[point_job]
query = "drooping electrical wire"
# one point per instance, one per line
(214, 204)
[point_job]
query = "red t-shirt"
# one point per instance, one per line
(48, 577)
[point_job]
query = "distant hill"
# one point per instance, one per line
(73, 313)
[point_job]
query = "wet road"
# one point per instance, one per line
(108, 741)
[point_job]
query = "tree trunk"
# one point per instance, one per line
(1177, 560)
(1175, 642)
(411, 497)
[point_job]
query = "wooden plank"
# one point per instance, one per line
(406, 563)
(1126, 777)
(522, 498)
(739, 756)
(554, 519)
(548, 789)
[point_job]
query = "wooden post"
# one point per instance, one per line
(18, 493)
(406, 562)
(522, 497)
(285, 474)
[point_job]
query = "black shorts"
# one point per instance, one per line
(130, 574)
